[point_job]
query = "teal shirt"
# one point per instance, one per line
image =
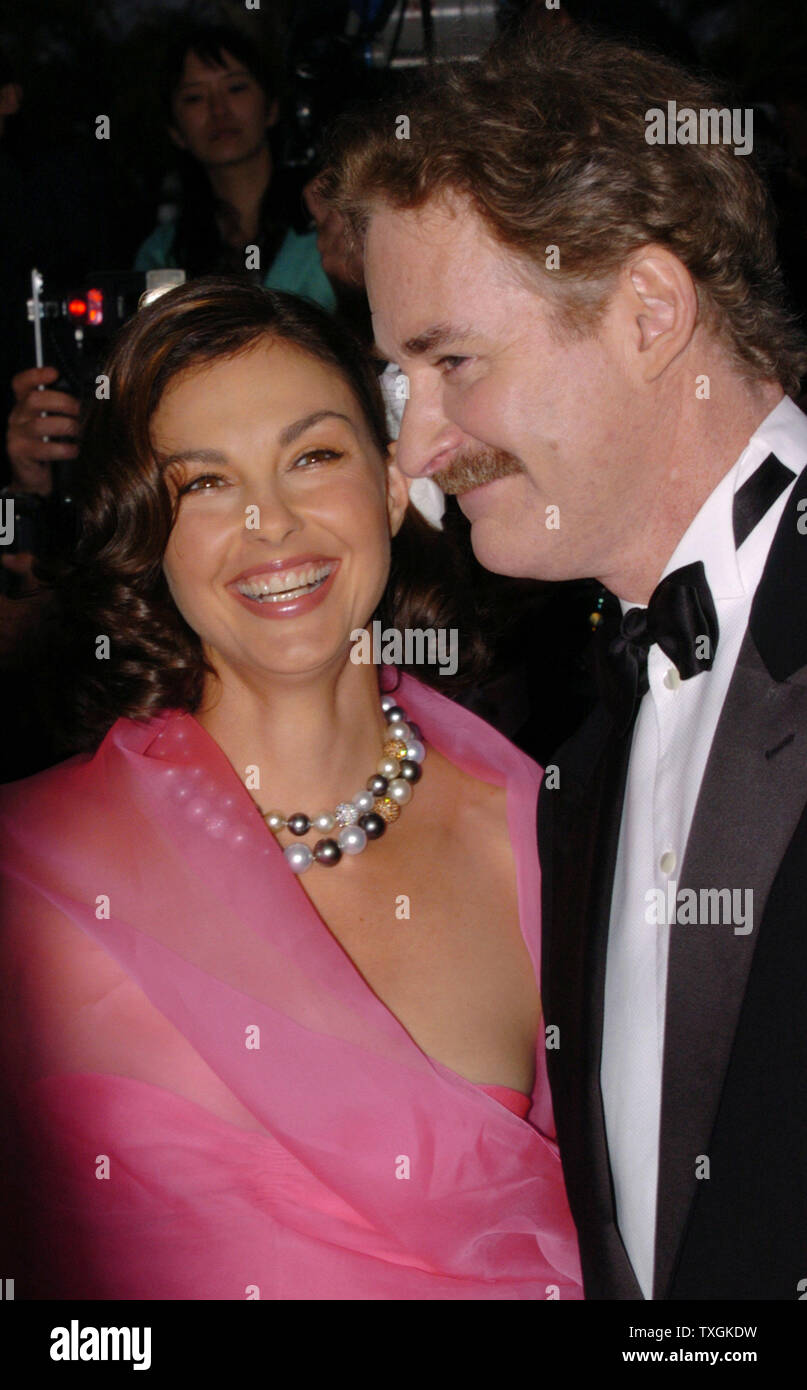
(296, 268)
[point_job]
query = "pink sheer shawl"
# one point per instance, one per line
(373, 1171)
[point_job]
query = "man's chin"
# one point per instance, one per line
(490, 544)
(501, 546)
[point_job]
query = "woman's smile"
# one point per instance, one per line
(286, 592)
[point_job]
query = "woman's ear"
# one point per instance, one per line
(397, 491)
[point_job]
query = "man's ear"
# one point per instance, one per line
(664, 307)
(397, 491)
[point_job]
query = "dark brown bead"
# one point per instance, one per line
(410, 771)
(299, 824)
(327, 852)
(377, 784)
(373, 825)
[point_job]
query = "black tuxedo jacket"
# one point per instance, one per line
(735, 1057)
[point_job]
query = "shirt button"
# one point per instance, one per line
(672, 680)
(667, 862)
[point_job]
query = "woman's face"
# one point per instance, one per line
(281, 545)
(220, 113)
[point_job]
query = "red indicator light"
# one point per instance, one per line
(77, 308)
(95, 306)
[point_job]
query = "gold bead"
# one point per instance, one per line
(386, 808)
(595, 619)
(394, 748)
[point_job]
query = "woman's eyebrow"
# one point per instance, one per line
(293, 431)
(194, 456)
(226, 73)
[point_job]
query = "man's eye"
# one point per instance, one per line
(451, 364)
(326, 454)
(238, 87)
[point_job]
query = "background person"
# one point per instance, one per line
(220, 109)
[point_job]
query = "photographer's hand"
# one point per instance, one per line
(34, 440)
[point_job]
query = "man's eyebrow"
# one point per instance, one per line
(435, 337)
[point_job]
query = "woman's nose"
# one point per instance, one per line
(270, 514)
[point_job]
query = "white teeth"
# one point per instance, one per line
(285, 583)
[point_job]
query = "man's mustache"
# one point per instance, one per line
(472, 468)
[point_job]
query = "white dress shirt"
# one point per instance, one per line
(672, 738)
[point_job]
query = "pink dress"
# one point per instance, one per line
(363, 1169)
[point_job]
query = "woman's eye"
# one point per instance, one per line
(320, 454)
(200, 484)
(238, 87)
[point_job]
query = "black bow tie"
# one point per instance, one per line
(681, 618)
(681, 614)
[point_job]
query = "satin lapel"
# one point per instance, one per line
(752, 795)
(579, 833)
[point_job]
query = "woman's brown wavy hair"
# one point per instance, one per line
(112, 583)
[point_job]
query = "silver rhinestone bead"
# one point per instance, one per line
(299, 858)
(415, 751)
(351, 840)
(325, 821)
(363, 801)
(400, 791)
(346, 813)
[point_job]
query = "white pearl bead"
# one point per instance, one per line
(298, 857)
(387, 702)
(274, 819)
(364, 802)
(388, 767)
(351, 840)
(415, 751)
(400, 791)
(325, 821)
(399, 730)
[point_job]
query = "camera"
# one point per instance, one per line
(73, 331)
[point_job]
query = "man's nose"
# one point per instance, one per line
(427, 438)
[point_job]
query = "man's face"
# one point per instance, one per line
(555, 422)
(220, 113)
